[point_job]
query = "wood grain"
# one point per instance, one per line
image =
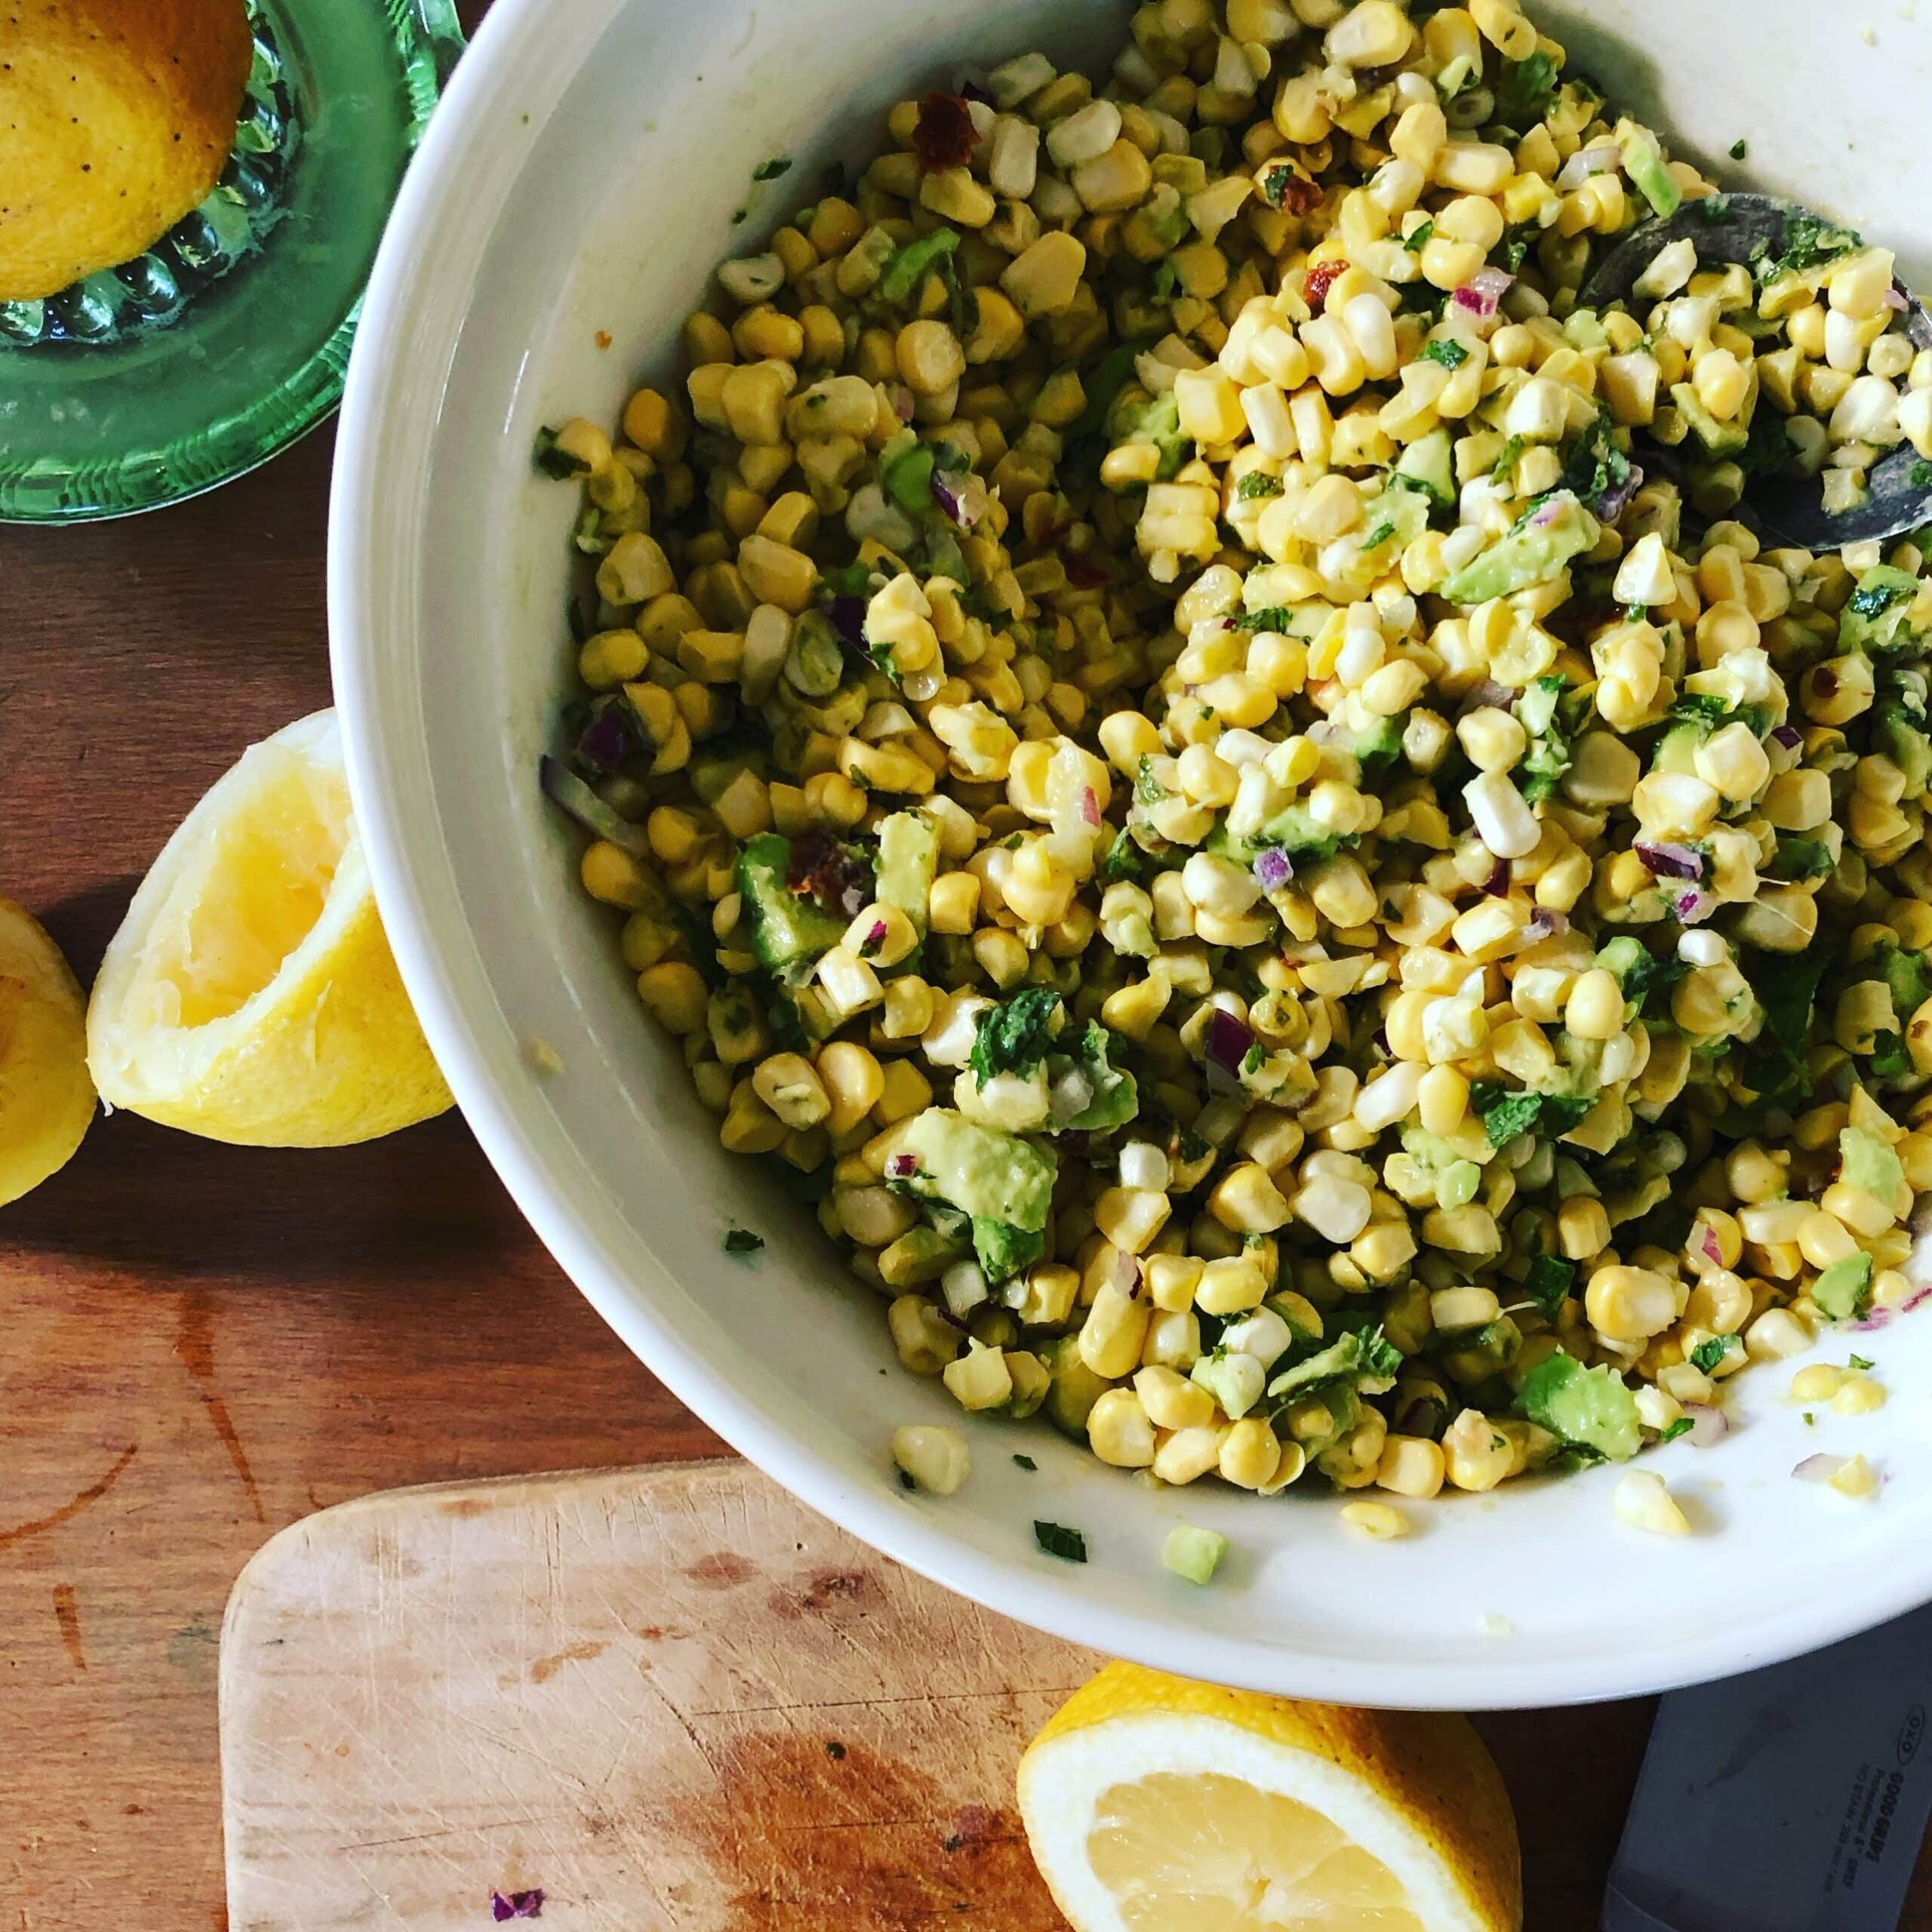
(669, 1698)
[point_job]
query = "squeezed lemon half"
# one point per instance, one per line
(46, 1098)
(250, 995)
(1155, 1804)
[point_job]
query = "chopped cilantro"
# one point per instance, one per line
(1069, 1546)
(1699, 708)
(741, 1240)
(1446, 350)
(1124, 860)
(1890, 1059)
(1505, 1112)
(1739, 149)
(1014, 1036)
(1874, 600)
(1706, 1355)
(1682, 1426)
(770, 170)
(1921, 474)
(1147, 789)
(1504, 467)
(1860, 1362)
(1269, 618)
(1594, 463)
(1257, 483)
(1026, 1462)
(1166, 288)
(1549, 1281)
(1418, 237)
(553, 460)
(1801, 859)
(1379, 535)
(1807, 242)
(1254, 1060)
(1523, 91)
(1714, 210)
(1515, 243)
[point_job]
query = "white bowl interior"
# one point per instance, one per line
(580, 178)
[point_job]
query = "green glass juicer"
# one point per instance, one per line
(165, 375)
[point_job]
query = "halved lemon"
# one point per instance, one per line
(250, 995)
(46, 1098)
(1155, 1804)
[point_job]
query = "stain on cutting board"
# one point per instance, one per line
(669, 1698)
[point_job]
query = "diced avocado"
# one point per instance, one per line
(1720, 438)
(910, 266)
(1363, 1357)
(1588, 1407)
(789, 931)
(1843, 1291)
(907, 473)
(1643, 162)
(1294, 831)
(1116, 1097)
(1906, 973)
(1073, 1387)
(1429, 464)
(1193, 1554)
(1005, 1250)
(1535, 709)
(1902, 739)
(1677, 750)
(1869, 1162)
(1877, 617)
(991, 1176)
(1558, 529)
(907, 858)
(1158, 421)
(1394, 519)
(1233, 1379)
(1582, 329)
(1378, 747)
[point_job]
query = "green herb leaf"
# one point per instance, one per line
(1682, 1426)
(1269, 618)
(1860, 1362)
(1524, 89)
(1549, 1282)
(1026, 1462)
(1257, 483)
(1418, 237)
(1446, 350)
(1504, 467)
(1016, 1035)
(1505, 1113)
(1807, 242)
(770, 170)
(741, 1240)
(1124, 860)
(1890, 1059)
(1379, 535)
(1706, 1355)
(554, 460)
(1739, 149)
(1921, 474)
(1069, 1546)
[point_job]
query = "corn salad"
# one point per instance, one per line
(1148, 732)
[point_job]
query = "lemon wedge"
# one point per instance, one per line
(1155, 1804)
(46, 1098)
(250, 995)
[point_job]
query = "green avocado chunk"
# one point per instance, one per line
(1588, 1407)
(1558, 529)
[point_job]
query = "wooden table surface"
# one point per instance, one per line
(199, 1344)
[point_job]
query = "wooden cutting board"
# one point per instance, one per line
(666, 1697)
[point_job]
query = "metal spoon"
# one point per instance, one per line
(1736, 227)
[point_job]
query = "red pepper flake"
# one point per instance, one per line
(1320, 279)
(603, 338)
(944, 135)
(1285, 187)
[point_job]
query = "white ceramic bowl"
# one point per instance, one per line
(580, 178)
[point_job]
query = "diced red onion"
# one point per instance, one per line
(1488, 694)
(877, 936)
(564, 788)
(1788, 736)
(1090, 806)
(902, 1167)
(1694, 907)
(901, 399)
(1670, 860)
(1545, 924)
(1228, 1042)
(1820, 1467)
(1497, 886)
(1273, 869)
(1600, 158)
(1610, 504)
(1871, 1323)
(517, 1905)
(611, 738)
(1126, 1273)
(1483, 290)
(963, 501)
(1913, 1300)
(848, 619)
(1709, 1423)
(1896, 298)
(1547, 514)
(1713, 1248)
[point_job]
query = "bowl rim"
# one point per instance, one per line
(413, 314)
